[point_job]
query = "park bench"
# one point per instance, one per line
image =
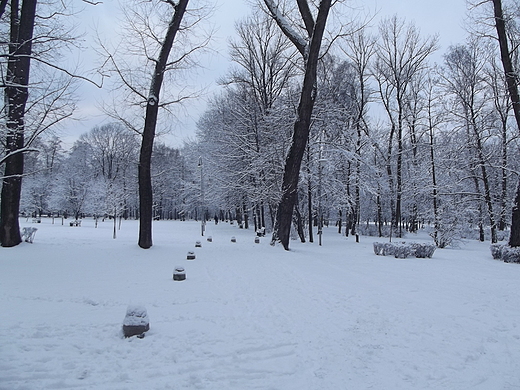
(76, 222)
(28, 234)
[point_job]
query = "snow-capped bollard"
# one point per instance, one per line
(210, 239)
(233, 239)
(190, 256)
(257, 240)
(136, 321)
(198, 244)
(179, 274)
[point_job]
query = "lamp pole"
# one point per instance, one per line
(321, 162)
(203, 217)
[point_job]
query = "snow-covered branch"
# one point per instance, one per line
(299, 41)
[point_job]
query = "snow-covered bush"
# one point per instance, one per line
(505, 253)
(510, 255)
(496, 251)
(402, 250)
(384, 248)
(423, 250)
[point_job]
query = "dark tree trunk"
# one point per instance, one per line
(152, 108)
(514, 237)
(436, 222)
(309, 194)
(238, 213)
(300, 132)
(399, 173)
(16, 94)
(256, 217)
(297, 219)
(512, 87)
(262, 216)
(390, 175)
(246, 216)
(503, 196)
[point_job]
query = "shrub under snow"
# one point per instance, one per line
(505, 253)
(402, 250)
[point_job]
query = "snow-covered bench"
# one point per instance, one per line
(28, 234)
(76, 222)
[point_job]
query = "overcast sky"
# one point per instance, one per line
(442, 17)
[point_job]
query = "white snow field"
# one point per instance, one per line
(252, 316)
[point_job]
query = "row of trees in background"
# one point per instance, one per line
(372, 136)
(98, 177)
(394, 141)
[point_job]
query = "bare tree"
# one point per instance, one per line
(401, 55)
(512, 87)
(465, 81)
(38, 90)
(309, 48)
(361, 49)
(150, 59)
(22, 19)
(266, 65)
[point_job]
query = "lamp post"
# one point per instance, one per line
(321, 163)
(203, 217)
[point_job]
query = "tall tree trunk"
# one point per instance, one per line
(436, 223)
(503, 196)
(16, 94)
(246, 216)
(512, 87)
(152, 109)
(309, 194)
(399, 172)
(301, 128)
(514, 237)
(391, 178)
(298, 223)
(357, 181)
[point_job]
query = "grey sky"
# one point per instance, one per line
(443, 17)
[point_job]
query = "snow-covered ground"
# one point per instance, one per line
(252, 316)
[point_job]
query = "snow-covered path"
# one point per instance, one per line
(252, 316)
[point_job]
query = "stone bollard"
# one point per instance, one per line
(257, 240)
(190, 256)
(136, 322)
(233, 239)
(179, 274)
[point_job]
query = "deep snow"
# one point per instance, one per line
(252, 316)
